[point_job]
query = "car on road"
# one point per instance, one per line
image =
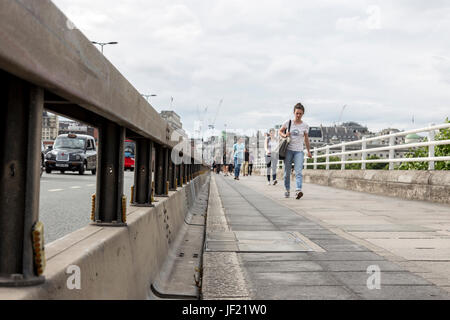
(129, 155)
(42, 158)
(72, 152)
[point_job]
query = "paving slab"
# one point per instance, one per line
(334, 260)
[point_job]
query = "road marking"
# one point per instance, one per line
(55, 190)
(91, 185)
(75, 187)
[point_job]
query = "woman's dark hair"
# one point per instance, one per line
(299, 106)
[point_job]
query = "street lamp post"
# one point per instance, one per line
(102, 44)
(148, 96)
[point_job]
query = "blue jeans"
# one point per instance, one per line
(237, 167)
(298, 158)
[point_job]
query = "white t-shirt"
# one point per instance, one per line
(297, 135)
(272, 144)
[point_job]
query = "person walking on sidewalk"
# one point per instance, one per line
(271, 149)
(238, 155)
(250, 164)
(299, 138)
(246, 160)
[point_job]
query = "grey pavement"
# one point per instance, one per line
(65, 201)
(321, 246)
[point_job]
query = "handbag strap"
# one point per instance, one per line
(289, 130)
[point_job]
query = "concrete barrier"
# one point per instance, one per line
(413, 185)
(407, 184)
(114, 263)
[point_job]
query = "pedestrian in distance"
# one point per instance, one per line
(225, 166)
(238, 156)
(246, 160)
(271, 155)
(250, 164)
(299, 138)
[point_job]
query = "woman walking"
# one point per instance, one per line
(298, 134)
(271, 149)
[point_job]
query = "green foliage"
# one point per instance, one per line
(439, 151)
(376, 165)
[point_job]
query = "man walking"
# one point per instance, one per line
(238, 155)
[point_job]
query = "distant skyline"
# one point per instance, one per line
(387, 61)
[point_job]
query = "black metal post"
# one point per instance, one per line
(166, 166)
(172, 174)
(20, 138)
(180, 175)
(161, 170)
(109, 198)
(143, 173)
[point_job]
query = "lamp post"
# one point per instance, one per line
(102, 44)
(148, 96)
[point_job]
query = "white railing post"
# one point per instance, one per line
(327, 158)
(315, 159)
(343, 158)
(364, 153)
(305, 161)
(431, 135)
(391, 151)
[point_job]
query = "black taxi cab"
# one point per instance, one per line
(72, 152)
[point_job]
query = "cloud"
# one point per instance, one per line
(372, 21)
(385, 59)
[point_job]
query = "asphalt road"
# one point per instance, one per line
(65, 201)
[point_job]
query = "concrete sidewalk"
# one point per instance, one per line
(260, 245)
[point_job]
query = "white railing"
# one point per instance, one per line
(325, 152)
(431, 143)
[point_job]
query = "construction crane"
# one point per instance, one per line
(342, 112)
(212, 125)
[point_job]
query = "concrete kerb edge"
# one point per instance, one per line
(243, 288)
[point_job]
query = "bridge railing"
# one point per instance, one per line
(342, 151)
(47, 63)
(363, 150)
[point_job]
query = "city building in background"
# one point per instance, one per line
(50, 127)
(70, 126)
(174, 120)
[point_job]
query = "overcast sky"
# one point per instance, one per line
(386, 60)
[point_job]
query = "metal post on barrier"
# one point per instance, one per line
(343, 158)
(143, 173)
(431, 149)
(315, 159)
(327, 158)
(180, 175)
(172, 175)
(364, 153)
(161, 158)
(166, 171)
(391, 151)
(109, 210)
(21, 129)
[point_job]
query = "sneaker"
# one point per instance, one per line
(298, 194)
(287, 194)
(275, 182)
(268, 183)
